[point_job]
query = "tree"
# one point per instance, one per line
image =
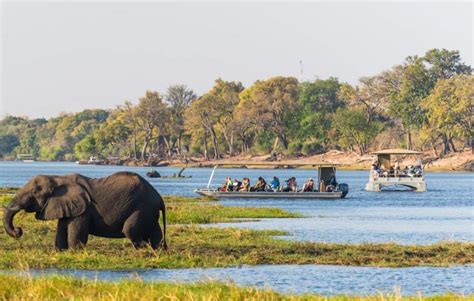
(152, 117)
(352, 128)
(86, 147)
(444, 64)
(214, 111)
(449, 110)
(405, 102)
(420, 75)
(272, 104)
(317, 102)
(373, 93)
(179, 98)
(8, 142)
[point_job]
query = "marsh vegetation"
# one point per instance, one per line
(194, 246)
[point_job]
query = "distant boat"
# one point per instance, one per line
(27, 158)
(384, 174)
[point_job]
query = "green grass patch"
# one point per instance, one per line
(196, 213)
(194, 246)
(8, 190)
(62, 287)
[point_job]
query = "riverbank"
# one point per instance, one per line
(193, 246)
(459, 161)
(61, 287)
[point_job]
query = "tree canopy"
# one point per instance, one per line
(425, 102)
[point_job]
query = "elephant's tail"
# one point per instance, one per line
(163, 212)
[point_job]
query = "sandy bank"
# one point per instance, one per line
(460, 161)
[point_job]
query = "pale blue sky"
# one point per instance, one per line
(70, 56)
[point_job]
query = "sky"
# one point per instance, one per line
(68, 56)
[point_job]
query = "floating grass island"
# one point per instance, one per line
(193, 246)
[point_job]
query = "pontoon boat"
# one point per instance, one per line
(325, 173)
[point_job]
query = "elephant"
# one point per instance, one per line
(121, 205)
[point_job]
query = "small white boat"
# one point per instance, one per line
(394, 176)
(325, 173)
(26, 158)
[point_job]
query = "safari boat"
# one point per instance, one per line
(384, 174)
(325, 172)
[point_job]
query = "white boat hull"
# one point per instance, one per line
(269, 195)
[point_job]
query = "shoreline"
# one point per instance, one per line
(462, 161)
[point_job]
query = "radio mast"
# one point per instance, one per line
(301, 71)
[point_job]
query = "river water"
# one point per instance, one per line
(444, 213)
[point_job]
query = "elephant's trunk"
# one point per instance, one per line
(10, 211)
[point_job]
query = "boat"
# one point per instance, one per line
(153, 174)
(392, 176)
(325, 172)
(26, 158)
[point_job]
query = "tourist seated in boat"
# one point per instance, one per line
(291, 185)
(236, 185)
(383, 173)
(404, 172)
(261, 185)
(331, 184)
(397, 171)
(245, 186)
(308, 186)
(375, 171)
(391, 171)
(411, 171)
(418, 171)
(228, 185)
(275, 184)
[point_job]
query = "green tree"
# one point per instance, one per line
(8, 142)
(214, 112)
(352, 129)
(449, 110)
(317, 102)
(179, 98)
(272, 104)
(420, 75)
(152, 118)
(444, 64)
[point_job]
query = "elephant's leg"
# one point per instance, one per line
(78, 231)
(61, 235)
(155, 237)
(133, 229)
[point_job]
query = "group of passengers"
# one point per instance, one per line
(275, 186)
(396, 171)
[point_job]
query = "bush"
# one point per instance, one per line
(264, 141)
(310, 148)
(294, 148)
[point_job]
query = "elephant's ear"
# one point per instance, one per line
(65, 201)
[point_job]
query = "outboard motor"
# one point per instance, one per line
(344, 188)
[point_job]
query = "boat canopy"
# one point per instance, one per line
(396, 151)
(325, 170)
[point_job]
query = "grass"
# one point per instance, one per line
(194, 246)
(8, 190)
(63, 287)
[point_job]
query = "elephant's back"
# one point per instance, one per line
(116, 197)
